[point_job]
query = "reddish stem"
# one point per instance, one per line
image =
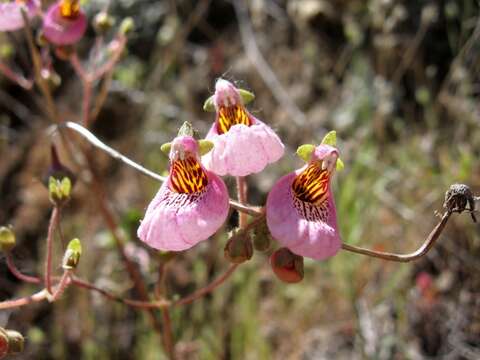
(207, 289)
(421, 251)
(62, 285)
(48, 259)
(16, 78)
(18, 274)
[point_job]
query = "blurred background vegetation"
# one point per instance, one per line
(398, 81)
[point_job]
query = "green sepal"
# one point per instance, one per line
(340, 165)
(246, 96)
(208, 105)
(330, 138)
(166, 148)
(186, 130)
(7, 238)
(205, 146)
(305, 151)
(65, 187)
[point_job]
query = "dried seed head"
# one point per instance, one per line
(458, 197)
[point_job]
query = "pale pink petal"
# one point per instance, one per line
(11, 16)
(243, 150)
(63, 31)
(178, 221)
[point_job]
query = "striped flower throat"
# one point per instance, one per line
(187, 176)
(229, 116)
(311, 185)
(69, 9)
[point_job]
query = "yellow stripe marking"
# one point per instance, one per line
(312, 184)
(187, 176)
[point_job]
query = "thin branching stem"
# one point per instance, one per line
(96, 142)
(62, 285)
(207, 289)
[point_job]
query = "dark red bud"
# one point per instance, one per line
(287, 266)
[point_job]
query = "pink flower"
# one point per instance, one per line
(243, 144)
(300, 208)
(190, 206)
(64, 23)
(11, 15)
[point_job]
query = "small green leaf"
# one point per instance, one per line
(166, 148)
(305, 151)
(205, 146)
(330, 138)
(246, 95)
(340, 165)
(208, 105)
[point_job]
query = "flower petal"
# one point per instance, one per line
(63, 31)
(243, 150)
(176, 221)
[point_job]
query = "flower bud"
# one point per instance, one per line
(239, 248)
(127, 25)
(16, 342)
(51, 77)
(102, 22)
(7, 239)
(3, 343)
(72, 255)
(261, 237)
(59, 191)
(57, 170)
(287, 266)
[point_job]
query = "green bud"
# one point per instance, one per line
(127, 25)
(52, 79)
(102, 22)
(205, 146)
(305, 151)
(7, 239)
(59, 190)
(239, 248)
(72, 255)
(208, 105)
(15, 342)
